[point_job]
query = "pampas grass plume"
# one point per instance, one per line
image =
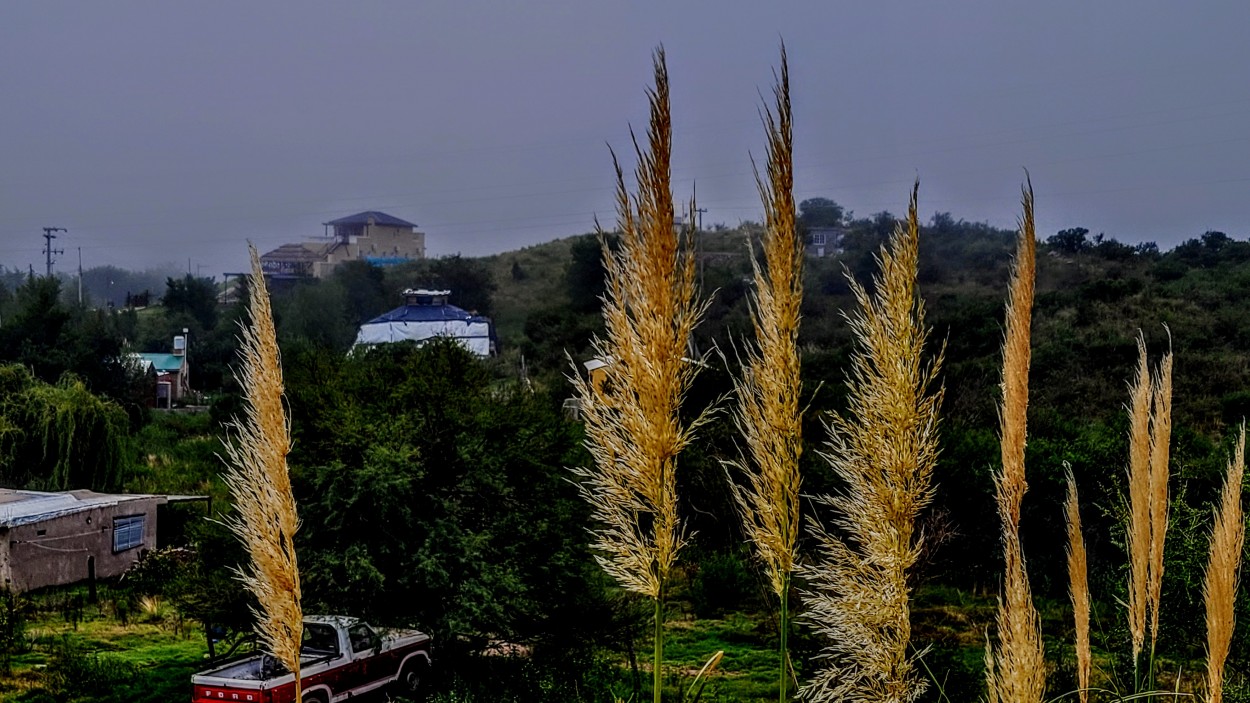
(1160, 441)
(1078, 580)
(768, 416)
(256, 472)
(884, 450)
(1219, 588)
(1016, 673)
(633, 424)
(1138, 530)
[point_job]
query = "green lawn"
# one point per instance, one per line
(748, 670)
(155, 656)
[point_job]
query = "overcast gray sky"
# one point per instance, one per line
(158, 131)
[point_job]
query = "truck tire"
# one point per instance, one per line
(408, 685)
(314, 697)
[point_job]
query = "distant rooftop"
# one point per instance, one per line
(21, 507)
(163, 363)
(296, 253)
(425, 313)
(379, 218)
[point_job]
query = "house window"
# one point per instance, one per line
(818, 238)
(127, 532)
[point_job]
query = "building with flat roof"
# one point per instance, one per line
(55, 539)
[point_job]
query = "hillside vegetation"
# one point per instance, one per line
(435, 483)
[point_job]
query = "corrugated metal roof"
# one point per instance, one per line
(19, 507)
(379, 218)
(163, 363)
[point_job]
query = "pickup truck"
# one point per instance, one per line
(341, 658)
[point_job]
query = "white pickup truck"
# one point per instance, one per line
(341, 658)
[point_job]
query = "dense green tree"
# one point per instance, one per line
(50, 338)
(1069, 241)
(820, 212)
(431, 496)
(58, 437)
(584, 276)
(367, 290)
(196, 297)
(316, 312)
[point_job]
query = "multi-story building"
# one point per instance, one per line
(372, 236)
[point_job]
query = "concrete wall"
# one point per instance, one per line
(376, 241)
(59, 556)
(390, 241)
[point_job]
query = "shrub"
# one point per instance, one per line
(722, 583)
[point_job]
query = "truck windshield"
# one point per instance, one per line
(320, 640)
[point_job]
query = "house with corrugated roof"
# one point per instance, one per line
(173, 376)
(426, 314)
(371, 236)
(55, 539)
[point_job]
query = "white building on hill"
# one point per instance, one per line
(425, 315)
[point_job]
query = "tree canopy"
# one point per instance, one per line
(58, 437)
(432, 495)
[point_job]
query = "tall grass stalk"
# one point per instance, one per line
(256, 472)
(768, 415)
(1150, 434)
(1138, 529)
(1219, 588)
(1160, 441)
(1078, 580)
(1015, 666)
(634, 431)
(884, 450)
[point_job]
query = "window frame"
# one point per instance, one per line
(126, 525)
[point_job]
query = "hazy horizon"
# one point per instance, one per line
(157, 133)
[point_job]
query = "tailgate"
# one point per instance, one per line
(216, 694)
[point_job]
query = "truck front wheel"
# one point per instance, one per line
(408, 685)
(315, 697)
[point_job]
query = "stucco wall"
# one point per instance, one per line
(59, 556)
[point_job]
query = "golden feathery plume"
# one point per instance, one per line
(884, 450)
(1160, 441)
(256, 472)
(1138, 529)
(633, 427)
(632, 419)
(1078, 584)
(768, 415)
(1019, 666)
(1219, 588)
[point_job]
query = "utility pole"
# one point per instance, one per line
(80, 277)
(48, 251)
(698, 244)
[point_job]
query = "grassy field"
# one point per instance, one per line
(748, 670)
(122, 651)
(149, 656)
(145, 652)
